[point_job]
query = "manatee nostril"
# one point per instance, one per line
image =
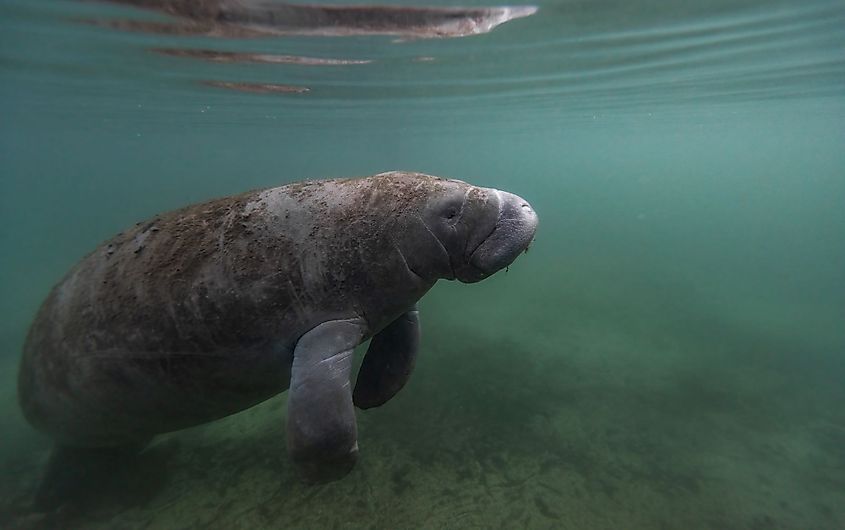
(526, 206)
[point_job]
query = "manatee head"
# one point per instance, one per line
(460, 231)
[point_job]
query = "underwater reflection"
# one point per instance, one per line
(262, 18)
(267, 58)
(253, 18)
(258, 88)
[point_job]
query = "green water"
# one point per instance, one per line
(669, 354)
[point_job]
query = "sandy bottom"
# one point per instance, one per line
(599, 417)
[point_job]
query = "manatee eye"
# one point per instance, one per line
(451, 208)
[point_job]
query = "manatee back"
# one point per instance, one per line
(194, 314)
(176, 321)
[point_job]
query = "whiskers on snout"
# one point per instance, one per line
(527, 248)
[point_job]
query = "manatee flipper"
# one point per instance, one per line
(389, 361)
(321, 431)
(85, 475)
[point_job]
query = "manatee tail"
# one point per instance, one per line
(86, 476)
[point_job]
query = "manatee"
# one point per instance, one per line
(208, 310)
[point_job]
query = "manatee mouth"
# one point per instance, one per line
(512, 235)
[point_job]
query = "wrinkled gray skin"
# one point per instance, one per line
(208, 310)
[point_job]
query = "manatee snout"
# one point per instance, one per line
(513, 233)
